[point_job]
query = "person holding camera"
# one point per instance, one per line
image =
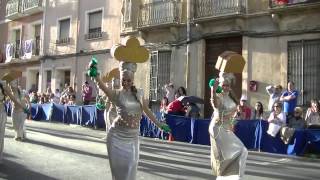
(86, 93)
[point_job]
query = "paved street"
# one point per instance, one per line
(58, 151)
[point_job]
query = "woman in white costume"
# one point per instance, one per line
(4, 91)
(18, 115)
(110, 112)
(123, 135)
(228, 154)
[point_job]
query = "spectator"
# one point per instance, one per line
(258, 111)
(275, 94)
(193, 110)
(182, 91)
(49, 91)
(246, 109)
(71, 100)
(289, 99)
(239, 114)
(163, 105)
(313, 114)
(176, 108)
(169, 88)
(276, 120)
(86, 93)
(297, 120)
(57, 96)
(34, 97)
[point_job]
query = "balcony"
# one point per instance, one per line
(13, 51)
(32, 6)
(287, 5)
(204, 9)
(63, 41)
(13, 9)
(159, 13)
(19, 8)
(93, 35)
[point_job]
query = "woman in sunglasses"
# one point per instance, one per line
(276, 120)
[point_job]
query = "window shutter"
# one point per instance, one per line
(95, 20)
(64, 28)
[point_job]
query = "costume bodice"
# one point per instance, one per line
(129, 109)
(226, 106)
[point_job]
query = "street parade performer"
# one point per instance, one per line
(111, 79)
(123, 135)
(228, 154)
(4, 92)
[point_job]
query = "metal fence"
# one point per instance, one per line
(159, 74)
(211, 8)
(304, 69)
(157, 13)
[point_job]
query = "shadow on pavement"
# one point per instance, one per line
(62, 148)
(13, 171)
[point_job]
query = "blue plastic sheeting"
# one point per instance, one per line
(180, 128)
(100, 123)
(72, 115)
(8, 108)
(251, 132)
(88, 115)
(58, 111)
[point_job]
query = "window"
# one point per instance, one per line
(48, 81)
(159, 73)
(17, 42)
(37, 35)
(95, 21)
(303, 66)
(127, 11)
(64, 31)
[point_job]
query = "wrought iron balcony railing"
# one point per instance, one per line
(13, 8)
(159, 13)
(19, 8)
(61, 41)
(216, 8)
(291, 3)
(93, 35)
(29, 4)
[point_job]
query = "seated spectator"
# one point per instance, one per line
(245, 108)
(313, 114)
(182, 91)
(72, 100)
(34, 97)
(169, 88)
(258, 112)
(176, 108)
(239, 114)
(163, 106)
(297, 120)
(276, 120)
(192, 110)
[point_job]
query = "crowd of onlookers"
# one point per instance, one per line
(66, 97)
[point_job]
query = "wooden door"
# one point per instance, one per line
(214, 47)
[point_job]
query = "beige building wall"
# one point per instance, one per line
(76, 55)
(56, 10)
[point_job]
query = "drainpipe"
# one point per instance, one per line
(188, 41)
(75, 76)
(42, 44)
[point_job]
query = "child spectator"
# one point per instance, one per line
(169, 88)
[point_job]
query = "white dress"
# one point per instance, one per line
(123, 136)
(3, 120)
(18, 119)
(228, 154)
